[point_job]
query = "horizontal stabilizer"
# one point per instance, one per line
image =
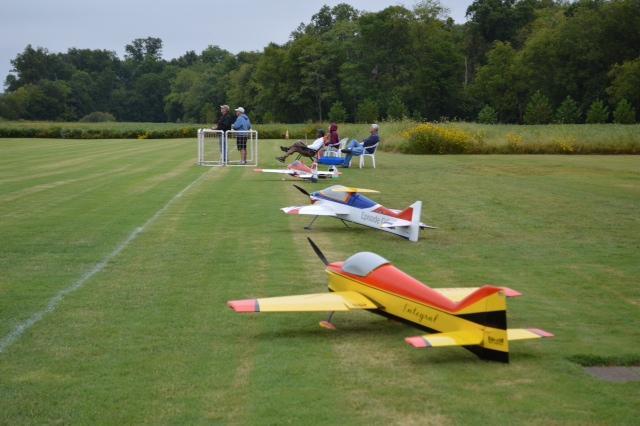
(526, 333)
(395, 223)
(425, 226)
(340, 188)
(457, 294)
(452, 338)
(319, 302)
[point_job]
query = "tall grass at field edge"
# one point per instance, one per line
(395, 135)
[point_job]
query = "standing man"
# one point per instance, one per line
(242, 123)
(224, 123)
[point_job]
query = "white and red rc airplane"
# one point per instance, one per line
(349, 205)
(300, 170)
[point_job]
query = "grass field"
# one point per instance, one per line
(120, 255)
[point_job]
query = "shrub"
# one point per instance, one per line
(337, 113)
(487, 115)
(538, 110)
(515, 143)
(432, 139)
(624, 113)
(598, 113)
(397, 109)
(98, 117)
(367, 112)
(568, 112)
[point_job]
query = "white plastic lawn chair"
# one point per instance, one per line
(335, 152)
(373, 149)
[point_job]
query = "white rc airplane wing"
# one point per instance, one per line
(316, 210)
(281, 171)
(395, 223)
(399, 223)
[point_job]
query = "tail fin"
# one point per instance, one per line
(487, 337)
(416, 212)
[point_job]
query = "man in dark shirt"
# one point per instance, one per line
(367, 146)
(224, 123)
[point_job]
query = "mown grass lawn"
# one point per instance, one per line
(147, 337)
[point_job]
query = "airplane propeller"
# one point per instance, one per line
(318, 252)
(304, 191)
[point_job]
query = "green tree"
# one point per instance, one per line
(568, 112)
(81, 99)
(500, 83)
(598, 113)
(487, 115)
(625, 82)
(624, 113)
(34, 65)
(142, 49)
(396, 110)
(367, 112)
(337, 113)
(538, 110)
(570, 51)
(13, 105)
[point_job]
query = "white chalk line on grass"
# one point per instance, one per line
(19, 330)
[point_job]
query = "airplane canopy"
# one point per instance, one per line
(363, 263)
(343, 195)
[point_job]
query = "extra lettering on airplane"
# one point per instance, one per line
(349, 205)
(474, 318)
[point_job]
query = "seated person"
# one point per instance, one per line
(334, 138)
(358, 148)
(305, 150)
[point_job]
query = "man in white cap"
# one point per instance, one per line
(358, 148)
(242, 123)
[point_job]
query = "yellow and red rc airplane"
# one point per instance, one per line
(474, 318)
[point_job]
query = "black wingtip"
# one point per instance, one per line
(318, 252)
(304, 191)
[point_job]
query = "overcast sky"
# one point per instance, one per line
(182, 25)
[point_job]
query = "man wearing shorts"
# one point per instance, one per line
(242, 123)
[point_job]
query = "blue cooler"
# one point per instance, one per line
(331, 161)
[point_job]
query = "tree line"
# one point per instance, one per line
(513, 61)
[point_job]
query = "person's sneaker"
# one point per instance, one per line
(346, 151)
(280, 159)
(284, 148)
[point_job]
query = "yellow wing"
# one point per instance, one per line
(451, 338)
(471, 337)
(341, 188)
(527, 333)
(323, 302)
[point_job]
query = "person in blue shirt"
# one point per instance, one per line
(242, 123)
(358, 148)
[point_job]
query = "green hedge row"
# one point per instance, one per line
(267, 131)
(56, 132)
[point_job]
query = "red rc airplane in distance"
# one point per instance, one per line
(474, 318)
